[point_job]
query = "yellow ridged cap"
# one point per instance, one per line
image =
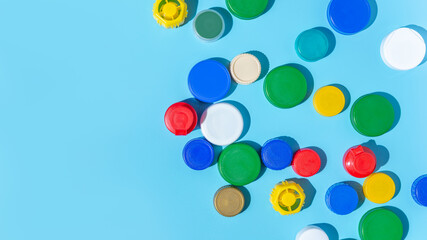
(170, 13)
(287, 198)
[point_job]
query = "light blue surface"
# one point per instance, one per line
(84, 153)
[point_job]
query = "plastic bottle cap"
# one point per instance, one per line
(209, 25)
(239, 164)
(329, 101)
(276, 154)
(287, 198)
(306, 162)
(285, 87)
(379, 188)
(170, 14)
(247, 9)
(181, 118)
(312, 233)
(372, 115)
(403, 49)
(221, 124)
(209, 81)
(312, 45)
(359, 161)
(229, 201)
(380, 224)
(198, 154)
(419, 190)
(342, 198)
(245, 68)
(349, 16)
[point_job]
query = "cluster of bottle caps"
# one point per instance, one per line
(286, 86)
(402, 49)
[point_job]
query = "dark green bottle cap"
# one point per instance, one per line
(239, 164)
(285, 87)
(380, 224)
(208, 25)
(247, 9)
(372, 115)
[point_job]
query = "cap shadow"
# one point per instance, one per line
(381, 153)
(359, 189)
(308, 77)
(396, 107)
(228, 20)
(265, 64)
(245, 114)
(323, 157)
(330, 230)
(346, 93)
(423, 32)
(309, 190)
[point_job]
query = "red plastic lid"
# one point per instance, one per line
(306, 162)
(181, 118)
(359, 161)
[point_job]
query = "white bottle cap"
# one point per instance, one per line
(245, 68)
(221, 124)
(403, 49)
(312, 233)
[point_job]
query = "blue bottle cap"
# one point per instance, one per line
(342, 198)
(349, 16)
(209, 81)
(198, 154)
(276, 154)
(419, 190)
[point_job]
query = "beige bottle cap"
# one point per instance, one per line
(245, 68)
(229, 201)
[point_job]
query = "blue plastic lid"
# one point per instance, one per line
(276, 154)
(419, 190)
(349, 16)
(209, 81)
(198, 154)
(342, 198)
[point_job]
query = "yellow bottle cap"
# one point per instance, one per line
(329, 101)
(229, 201)
(170, 13)
(379, 188)
(287, 198)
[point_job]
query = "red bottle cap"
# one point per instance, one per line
(306, 162)
(181, 118)
(359, 161)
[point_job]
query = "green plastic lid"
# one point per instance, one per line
(285, 87)
(380, 224)
(208, 25)
(372, 115)
(312, 45)
(247, 9)
(239, 164)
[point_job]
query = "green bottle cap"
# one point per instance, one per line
(380, 224)
(372, 115)
(285, 87)
(208, 25)
(312, 45)
(239, 164)
(247, 9)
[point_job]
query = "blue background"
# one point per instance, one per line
(84, 153)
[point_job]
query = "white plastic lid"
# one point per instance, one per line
(312, 233)
(403, 49)
(221, 124)
(245, 68)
